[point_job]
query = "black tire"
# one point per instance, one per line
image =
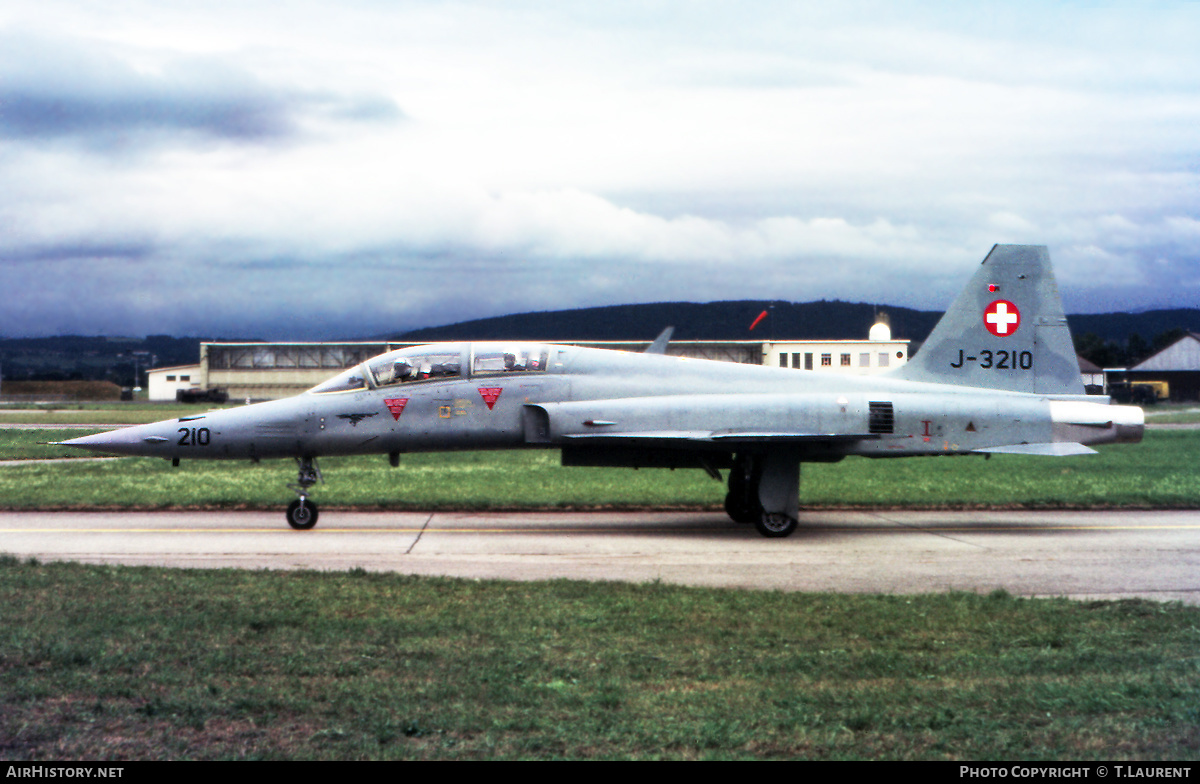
(739, 511)
(741, 502)
(775, 525)
(302, 515)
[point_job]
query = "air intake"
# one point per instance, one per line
(882, 419)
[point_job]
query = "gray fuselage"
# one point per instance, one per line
(594, 398)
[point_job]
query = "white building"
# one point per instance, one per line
(163, 382)
(1092, 374)
(853, 357)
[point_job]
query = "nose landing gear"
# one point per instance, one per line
(302, 513)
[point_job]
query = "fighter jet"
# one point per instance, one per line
(998, 374)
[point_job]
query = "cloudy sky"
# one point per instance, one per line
(304, 170)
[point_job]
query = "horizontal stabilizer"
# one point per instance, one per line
(1060, 449)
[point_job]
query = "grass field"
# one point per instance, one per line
(1160, 472)
(99, 413)
(1173, 414)
(140, 663)
(106, 662)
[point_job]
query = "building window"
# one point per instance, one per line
(864, 360)
(827, 360)
(845, 360)
(808, 357)
(883, 359)
(185, 378)
(783, 360)
(796, 361)
(170, 378)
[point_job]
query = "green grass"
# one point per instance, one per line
(1157, 473)
(33, 444)
(1173, 414)
(141, 663)
(99, 413)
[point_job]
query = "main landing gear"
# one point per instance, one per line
(765, 490)
(302, 513)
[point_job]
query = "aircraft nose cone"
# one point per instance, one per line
(126, 441)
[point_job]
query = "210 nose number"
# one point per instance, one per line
(196, 436)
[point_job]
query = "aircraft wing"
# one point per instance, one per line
(678, 421)
(725, 421)
(715, 437)
(681, 437)
(1056, 449)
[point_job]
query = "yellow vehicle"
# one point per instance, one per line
(1162, 390)
(1140, 393)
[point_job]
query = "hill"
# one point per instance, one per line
(787, 320)
(75, 358)
(692, 321)
(1109, 339)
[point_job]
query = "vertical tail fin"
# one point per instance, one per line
(1006, 330)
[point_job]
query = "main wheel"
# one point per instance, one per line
(302, 514)
(775, 525)
(741, 502)
(739, 510)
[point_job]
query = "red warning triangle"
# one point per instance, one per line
(396, 406)
(490, 395)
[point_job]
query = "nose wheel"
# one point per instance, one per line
(302, 513)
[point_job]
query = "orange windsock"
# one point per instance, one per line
(758, 320)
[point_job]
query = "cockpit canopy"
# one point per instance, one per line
(439, 363)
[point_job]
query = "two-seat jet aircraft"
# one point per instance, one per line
(998, 374)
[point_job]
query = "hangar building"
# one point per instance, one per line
(1178, 364)
(262, 371)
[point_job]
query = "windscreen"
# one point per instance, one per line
(491, 359)
(354, 378)
(439, 362)
(416, 364)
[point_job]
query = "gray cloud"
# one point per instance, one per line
(129, 251)
(599, 154)
(44, 115)
(68, 91)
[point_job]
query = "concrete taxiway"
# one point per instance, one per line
(1095, 554)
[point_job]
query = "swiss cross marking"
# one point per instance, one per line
(490, 395)
(396, 406)
(1002, 318)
